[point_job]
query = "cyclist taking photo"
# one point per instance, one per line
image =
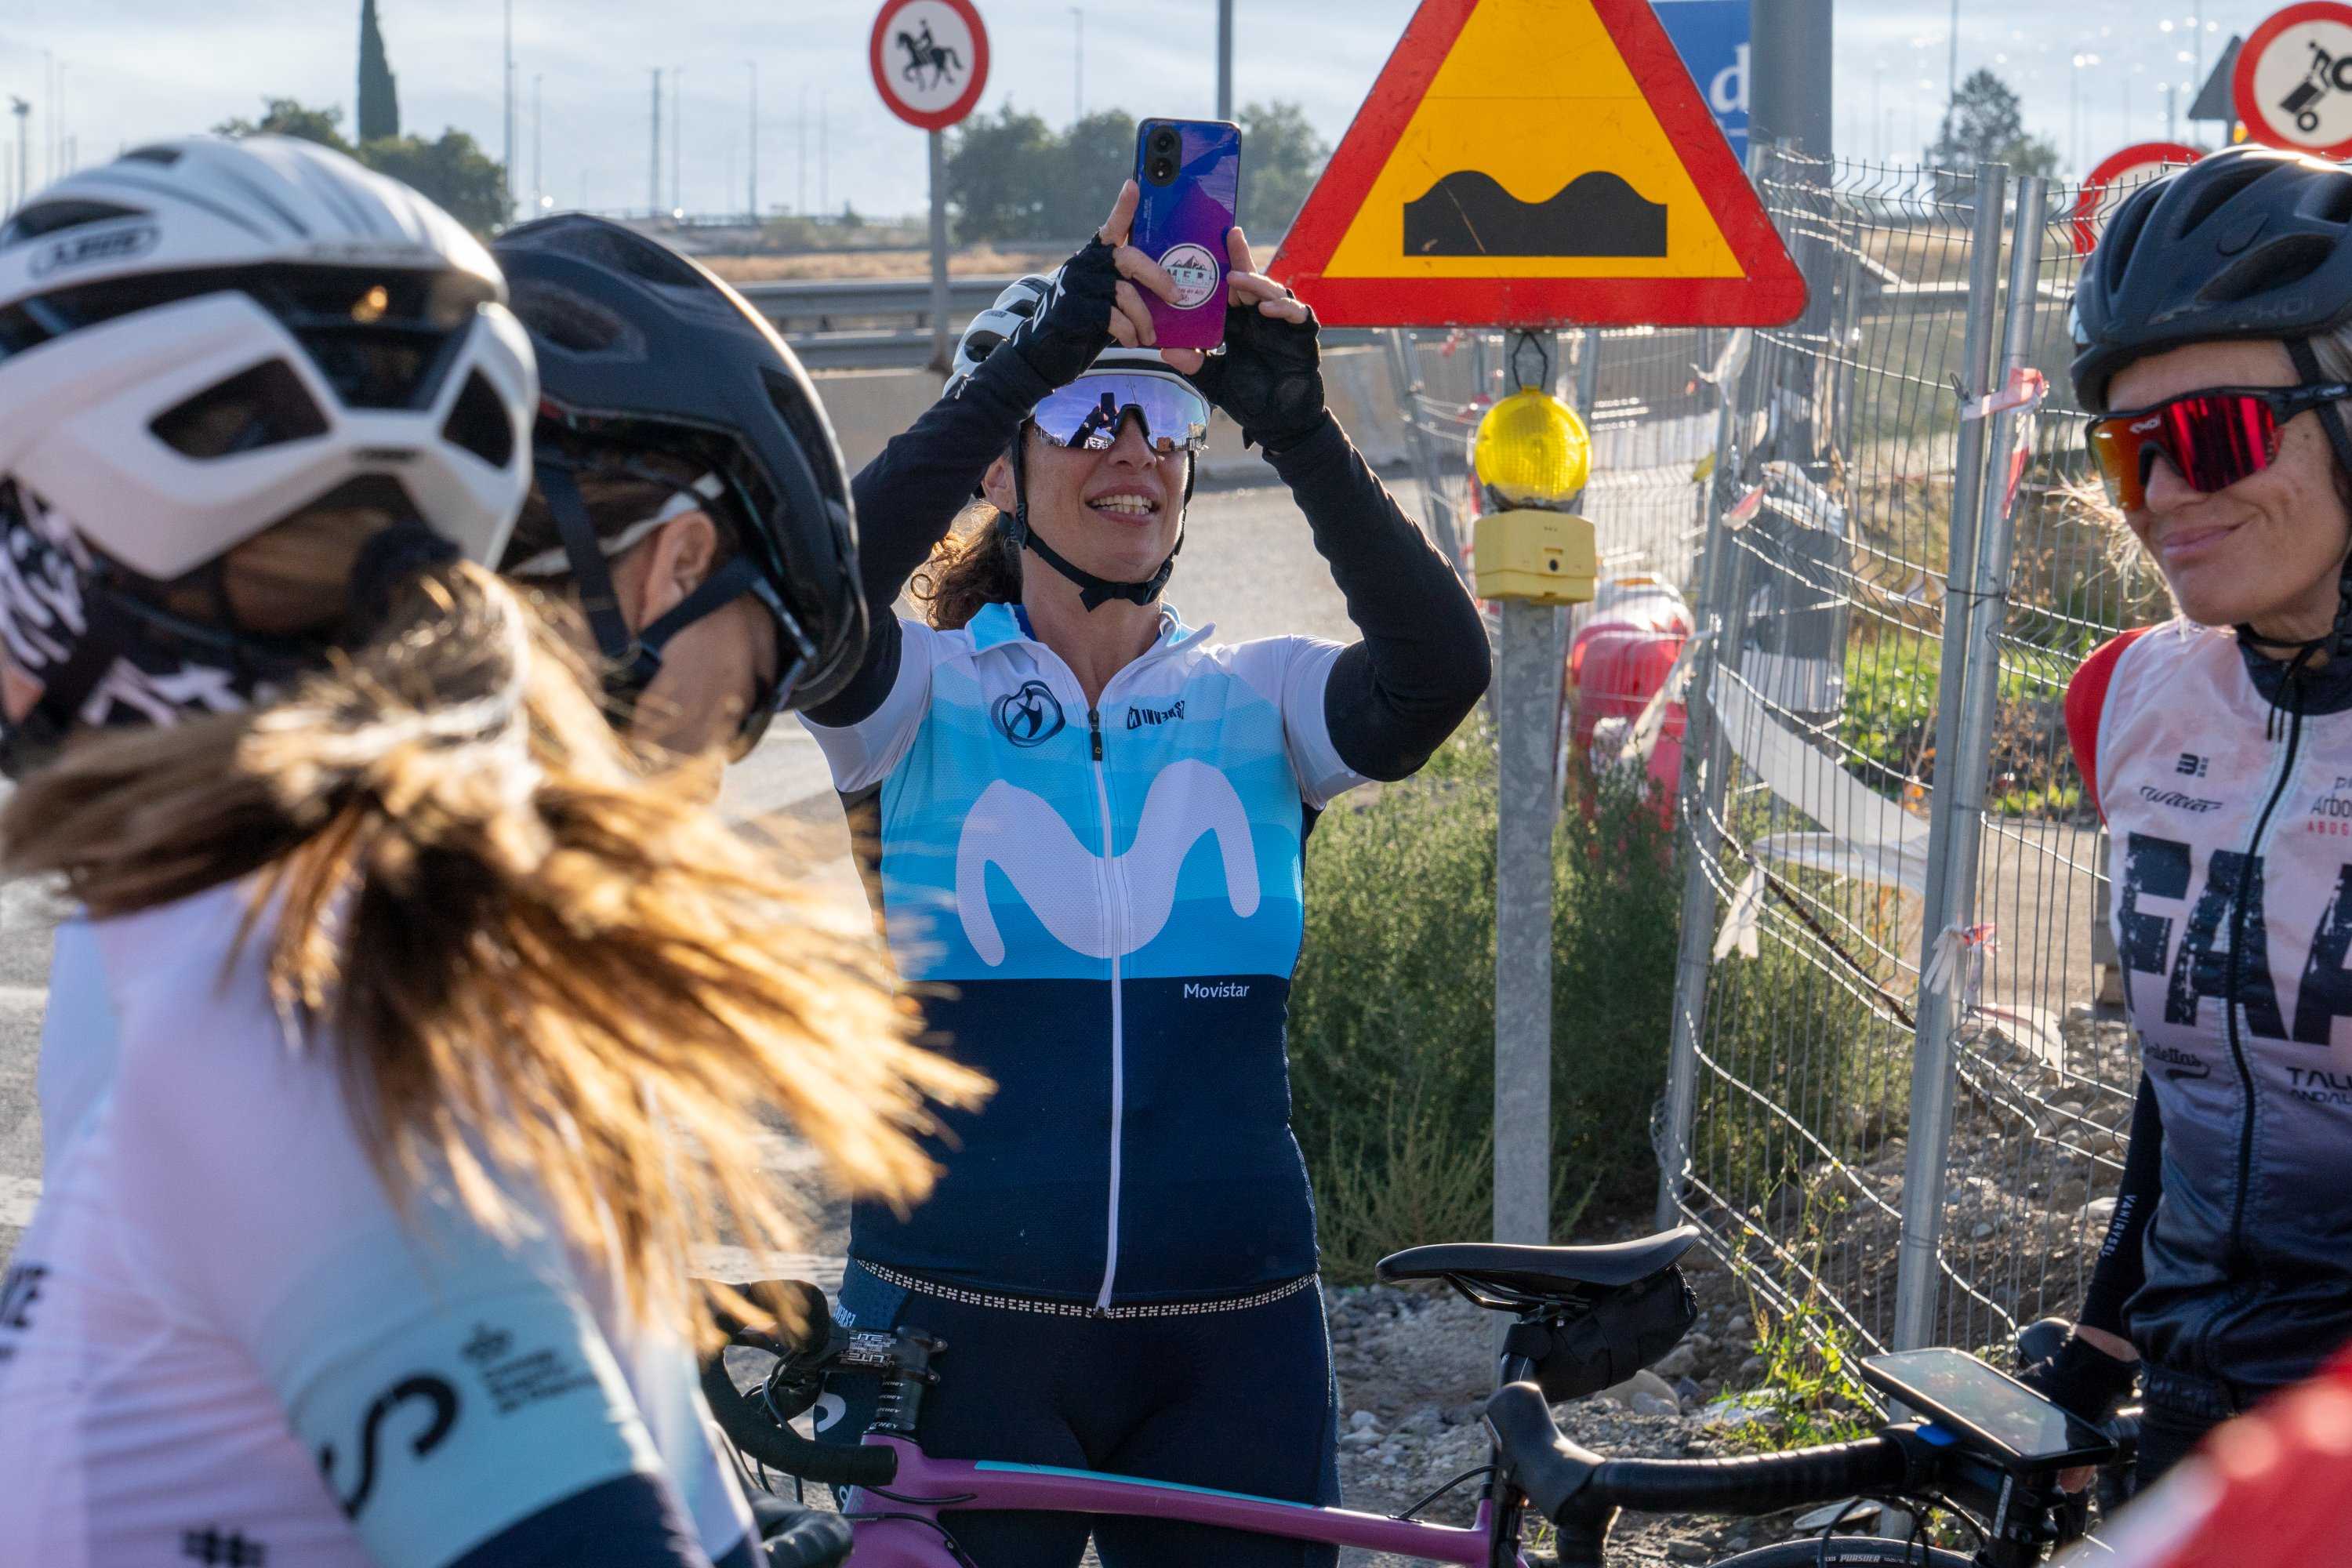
(1089, 822)
(438, 1025)
(2214, 330)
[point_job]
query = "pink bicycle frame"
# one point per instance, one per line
(925, 1486)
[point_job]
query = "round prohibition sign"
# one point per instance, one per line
(2292, 86)
(2117, 175)
(929, 60)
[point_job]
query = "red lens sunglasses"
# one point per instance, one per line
(2212, 439)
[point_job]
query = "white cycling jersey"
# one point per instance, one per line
(220, 1343)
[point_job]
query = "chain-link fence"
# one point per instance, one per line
(1894, 1097)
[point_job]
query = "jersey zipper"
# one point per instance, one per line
(2246, 872)
(1114, 906)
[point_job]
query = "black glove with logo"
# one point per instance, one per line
(2081, 1378)
(1269, 379)
(1073, 324)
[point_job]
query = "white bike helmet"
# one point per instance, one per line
(1023, 301)
(205, 337)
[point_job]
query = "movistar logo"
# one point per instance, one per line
(1064, 882)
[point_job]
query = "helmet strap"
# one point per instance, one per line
(2337, 640)
(1092, 591)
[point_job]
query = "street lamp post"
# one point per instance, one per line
(752, 190)
(509, 154)
(1078, 79)
(2075, 108)
(24, 113)
(676, 140)
(538, 141)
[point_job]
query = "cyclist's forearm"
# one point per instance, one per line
(908, 497)
(2120, 1268)
(912, 492)
(1422, 663)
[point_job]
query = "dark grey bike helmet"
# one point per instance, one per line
(643, 351)
(2250, 242)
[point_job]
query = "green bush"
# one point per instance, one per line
(1393, 1015)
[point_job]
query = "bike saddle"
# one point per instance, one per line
(1542, 1271)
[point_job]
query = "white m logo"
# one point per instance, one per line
(1058, 878)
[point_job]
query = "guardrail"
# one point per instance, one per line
(867, 324)
(884, 323)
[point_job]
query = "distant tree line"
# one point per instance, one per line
(453, 170)
(1011, 176)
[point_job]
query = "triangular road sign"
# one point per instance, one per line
(1537, 163)
(2215, 99)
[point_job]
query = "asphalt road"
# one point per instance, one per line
(1248, 567)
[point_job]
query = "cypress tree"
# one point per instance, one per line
(378, 90)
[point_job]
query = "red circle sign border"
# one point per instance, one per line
(941, 118)
(2241, 80)
(2139, 153)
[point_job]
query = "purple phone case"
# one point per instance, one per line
(1182, 227)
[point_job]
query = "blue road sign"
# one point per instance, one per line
(1711, 35)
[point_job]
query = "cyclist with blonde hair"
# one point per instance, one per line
(439, 1026)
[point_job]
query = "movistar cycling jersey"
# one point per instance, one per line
(1101, 907)
(219, 1343)
(2228, 799)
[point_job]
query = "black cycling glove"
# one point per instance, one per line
(2081, 1378)
(1073, 324)
(1269, 379)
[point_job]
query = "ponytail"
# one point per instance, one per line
(524, 952)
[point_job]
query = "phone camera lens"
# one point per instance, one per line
(1163, 170)
(1164, 141)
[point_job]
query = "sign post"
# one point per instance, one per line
(930, 59)
(2293, 82)
(1535, 165)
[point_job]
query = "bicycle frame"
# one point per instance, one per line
(898, 1526)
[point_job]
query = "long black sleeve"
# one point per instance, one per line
(1396, 695)
(910, 495)
(2121, 1268)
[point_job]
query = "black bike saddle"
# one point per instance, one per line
(1542, 1271)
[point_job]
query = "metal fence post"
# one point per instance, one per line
(1977, 566)
(1706, 760)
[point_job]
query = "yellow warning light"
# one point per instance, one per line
(1547, 557)
(1532, 450)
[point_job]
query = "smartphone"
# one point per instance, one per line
(1190, 171)
(1997, 1415)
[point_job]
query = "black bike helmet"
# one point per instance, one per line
(2250, 242)
(643, 351)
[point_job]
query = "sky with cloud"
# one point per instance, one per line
(131, 70)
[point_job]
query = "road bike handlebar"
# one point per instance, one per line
(1562, 1478)
(745, 1420)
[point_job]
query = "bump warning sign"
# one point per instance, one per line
(1537, 163)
